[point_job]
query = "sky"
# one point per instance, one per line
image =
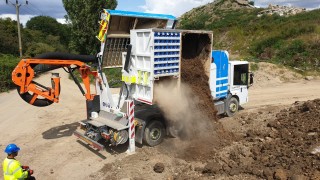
(54, 8)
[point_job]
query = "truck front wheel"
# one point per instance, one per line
(154, 133)
(232, 107)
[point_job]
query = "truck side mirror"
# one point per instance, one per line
(251, 78)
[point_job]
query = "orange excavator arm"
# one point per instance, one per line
(39, 95)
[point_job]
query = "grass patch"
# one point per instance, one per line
(254, 67)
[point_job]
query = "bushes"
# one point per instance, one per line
(39, 48)
(262, 45)
(197, 22)
(7, 64)
(294, 48)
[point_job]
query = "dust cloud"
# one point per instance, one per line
(179, 105)
(197, 133)
(188, 105)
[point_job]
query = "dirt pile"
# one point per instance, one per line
(289, 149)
(293, 142)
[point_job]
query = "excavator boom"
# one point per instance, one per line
(39, 95)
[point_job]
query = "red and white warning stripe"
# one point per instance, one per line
(130, 115)
(131, 118)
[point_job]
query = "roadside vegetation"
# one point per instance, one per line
(292, 41)
(7, 64)
(41, 34)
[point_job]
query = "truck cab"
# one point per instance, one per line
(228, 82)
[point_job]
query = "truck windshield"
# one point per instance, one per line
(241, 74)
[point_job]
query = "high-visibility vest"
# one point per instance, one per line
(12, 170)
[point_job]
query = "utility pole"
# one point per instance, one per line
(17, 6)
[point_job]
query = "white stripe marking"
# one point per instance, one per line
(223, 78)
(220, 92)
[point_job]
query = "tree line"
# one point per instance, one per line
(45, 34)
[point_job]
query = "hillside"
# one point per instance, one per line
(292, 41)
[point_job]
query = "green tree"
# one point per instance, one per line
(50, 26)
(39, 48)
(84, 15)
(45, 24)
(37, 42)
(8, 37)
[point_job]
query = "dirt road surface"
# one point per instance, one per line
(282, 94)
(48, 146)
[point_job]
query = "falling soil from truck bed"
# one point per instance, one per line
(194, 70)
(190, 107)
(189, 103)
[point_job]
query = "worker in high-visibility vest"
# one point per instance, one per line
(12, 169)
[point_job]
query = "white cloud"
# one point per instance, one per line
(61, 20)
(174, 7)
(23, 18)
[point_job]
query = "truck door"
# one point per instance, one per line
(240, 82)
(221, 60)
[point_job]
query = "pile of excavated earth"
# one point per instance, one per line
(272, 143)
(288, 148)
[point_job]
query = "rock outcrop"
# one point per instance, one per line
(281, 10)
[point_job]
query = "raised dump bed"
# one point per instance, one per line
(118, 34)
(159, 54)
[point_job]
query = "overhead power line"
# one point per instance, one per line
(17, 5)
(36, 8)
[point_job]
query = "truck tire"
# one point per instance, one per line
(232, 107)
(154, 133)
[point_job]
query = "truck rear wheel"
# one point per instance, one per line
(232, 107)
(154, 133)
